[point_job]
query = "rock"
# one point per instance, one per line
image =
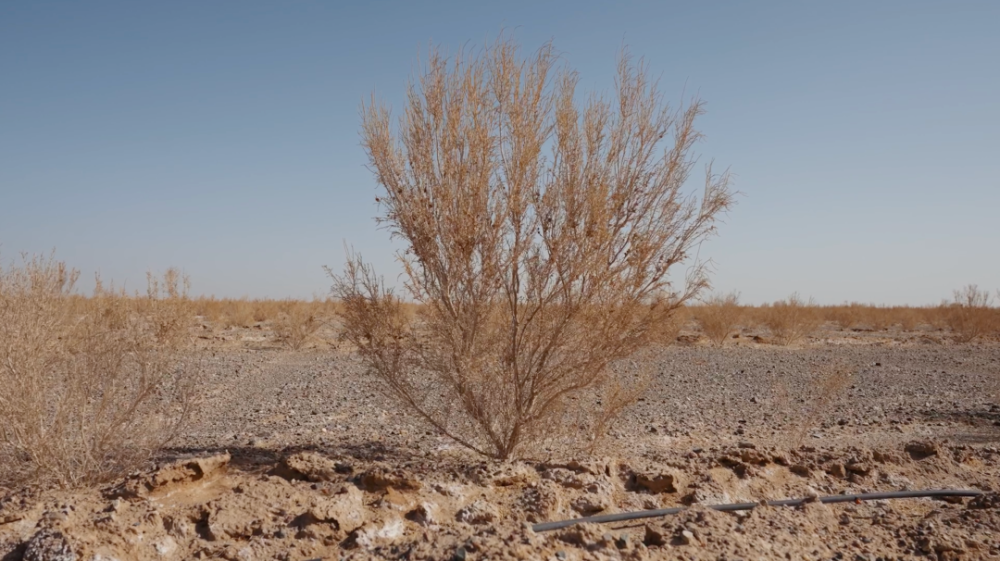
(653, 537)
(858, 468)
(505, 475)
(800, 469)
(379, 478)
(189, 470)
(567, 478)
(668, 482)
(921, 449)
(739, 467)
(589, 536)
(368, 536)
(836, 470)
(180, 472)
(346, 509)
(479, 512)
(588, 504)
(310, 466)
(685, 537)
(423, 514)
(165, 547)
(48, 545)
(230, 524)
(541, 502)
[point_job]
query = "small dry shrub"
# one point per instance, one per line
(790, 320)
(719, 316)
(91, 386)
(237, 313)
(970, 316)
(297, 323)
(878, 318)
(936, 316)
(667, 332)
(843, 317)
(826, 388)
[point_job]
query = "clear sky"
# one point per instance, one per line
(222, 136)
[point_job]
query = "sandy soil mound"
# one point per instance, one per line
(310, 505)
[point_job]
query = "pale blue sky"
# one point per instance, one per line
(222, 137)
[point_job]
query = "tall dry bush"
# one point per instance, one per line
(790, 320)
(539, 235)
(719, 316)
(90, 386)
(970, 315)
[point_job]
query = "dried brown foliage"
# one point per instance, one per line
(539, 235)
(871, 317)
(91, 386)
(296, 324)
(971, 316)
(827, 387)
(719, 316)
(244, 312)
(790, 320)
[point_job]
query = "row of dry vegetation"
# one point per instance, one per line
(972, 315)
(969, 316)
(540, 237)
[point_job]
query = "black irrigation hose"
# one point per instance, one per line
(603, 518)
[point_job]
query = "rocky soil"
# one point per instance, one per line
(297, 455)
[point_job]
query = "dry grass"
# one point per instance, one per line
(791, 320)
(719, 316)
(539, 235)
(245, 313)
(297, 323)
(863, 317)
(971, 316)
(91, 386)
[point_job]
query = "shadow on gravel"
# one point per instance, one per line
(987, 423)
(17, 554)
(255, 459)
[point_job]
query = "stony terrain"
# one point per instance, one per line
(296, 455)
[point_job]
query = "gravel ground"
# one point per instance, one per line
(297, 455)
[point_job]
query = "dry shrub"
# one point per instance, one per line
(844, 317)
(970, 316)
(539, 235)
(296, 324)
(936, 316)
(719, 316)
(238, 313)
(91, 386)
(826, 389)
(667, 333)
(209, 309)
(877, 318)
(859, 316)
(790, 320)
(907, 318)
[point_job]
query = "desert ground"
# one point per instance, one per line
(297, 454)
